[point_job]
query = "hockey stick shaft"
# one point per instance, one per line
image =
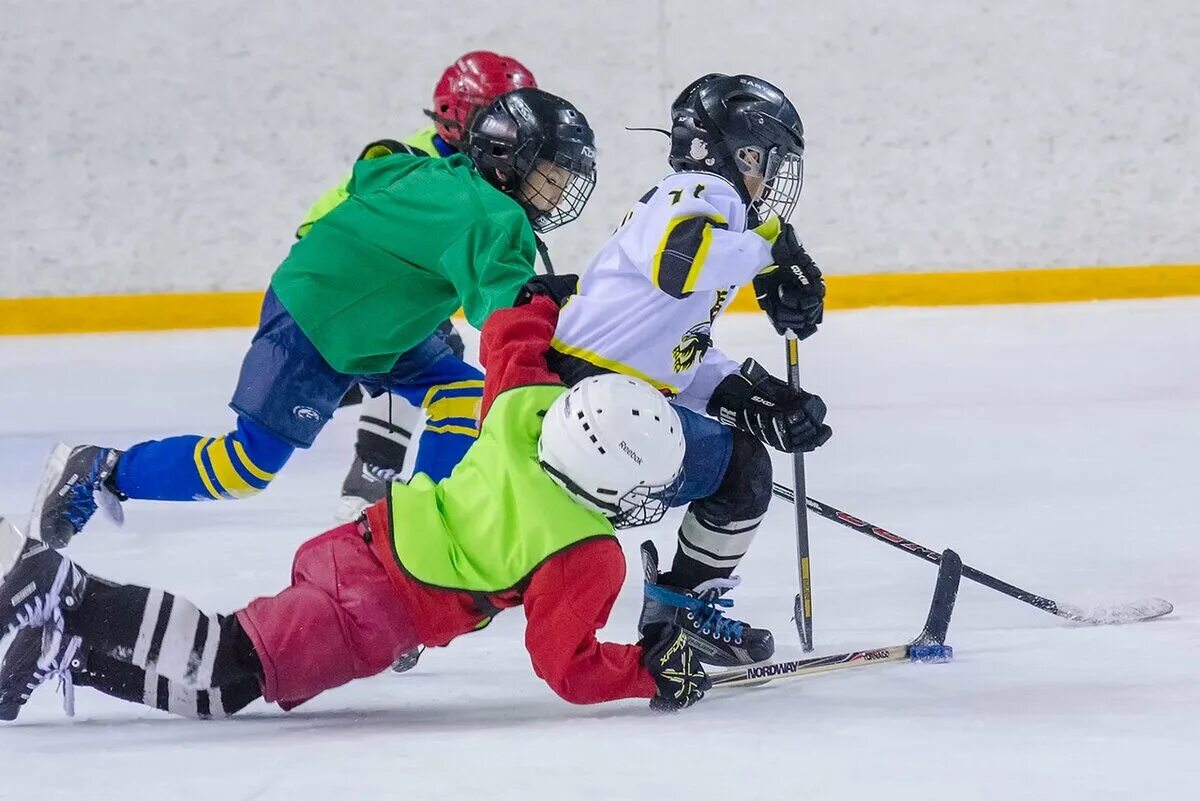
(798, 668)
(1133, 612)
(916, 549)
(802, 607)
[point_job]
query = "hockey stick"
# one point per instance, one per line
(929, 646)
(1131, 612)
(802, 606)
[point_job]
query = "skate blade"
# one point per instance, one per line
(12, 542)
(52, 474)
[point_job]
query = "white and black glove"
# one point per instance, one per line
(792, 291)
(676, 669)
(754, 401)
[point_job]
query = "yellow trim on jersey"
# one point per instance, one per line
(610, 365)
(436, 388)
(208, 485)
(697, 261)
(453, 429)
(689, 284)
(771, 229)
(226, 475)
(465, 407)
(250, 466)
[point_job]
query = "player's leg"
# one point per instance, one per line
(385, 431)
(286, 392)
(726, 484)
(341, 619)
(449, 391)
(31, 661)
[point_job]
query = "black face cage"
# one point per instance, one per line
(784, 178)
(644, 505)
(570, 203)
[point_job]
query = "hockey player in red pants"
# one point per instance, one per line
(526, 518)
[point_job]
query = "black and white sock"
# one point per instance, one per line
(385, 434)
(165, 634)
(131, 683)
(709, 550)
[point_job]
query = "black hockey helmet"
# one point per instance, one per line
(739, 126)
(539, 149)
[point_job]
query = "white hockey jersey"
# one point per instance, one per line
(648, 299)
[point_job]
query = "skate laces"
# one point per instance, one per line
(55, 661)
(705, 607)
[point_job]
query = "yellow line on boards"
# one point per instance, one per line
(1003, 286)
(110, 313)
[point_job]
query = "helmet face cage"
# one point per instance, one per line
(782, 182)
(644, 505)
(554, 194)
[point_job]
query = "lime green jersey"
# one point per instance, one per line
(498, 516)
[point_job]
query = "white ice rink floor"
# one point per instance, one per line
(1057, 447)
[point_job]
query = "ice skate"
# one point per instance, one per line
(716, 639)
(74, 481)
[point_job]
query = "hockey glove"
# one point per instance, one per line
(791, 292)
(558, 288)
(677, 672)
(754, 401)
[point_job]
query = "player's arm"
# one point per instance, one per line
(568, 599)
(512, 347)
(489, 263)
(687, 239)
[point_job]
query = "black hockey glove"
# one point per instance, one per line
(677, 672)
(558, 288)
(791, 292)
(756, 402)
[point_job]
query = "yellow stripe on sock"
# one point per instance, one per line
(466, 407)
(227, 476)
(453, 429)
(250, 466)
(435, 389)
(208, 485)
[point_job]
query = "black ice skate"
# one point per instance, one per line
(35, 656)
(37, 584)
(74, 480)
(365, 484)
(716, 639)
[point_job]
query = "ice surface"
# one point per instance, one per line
(1057, 447)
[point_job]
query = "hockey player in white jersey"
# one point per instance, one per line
(646, 305)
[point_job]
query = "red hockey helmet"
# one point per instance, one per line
(473, 81)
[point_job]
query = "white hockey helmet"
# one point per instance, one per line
(616, 445)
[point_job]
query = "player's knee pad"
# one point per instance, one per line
(745, 490)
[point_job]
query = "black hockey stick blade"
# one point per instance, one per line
(945, 593)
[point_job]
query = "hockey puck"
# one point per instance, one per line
(932, 653)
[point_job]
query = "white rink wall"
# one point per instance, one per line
(173, 146)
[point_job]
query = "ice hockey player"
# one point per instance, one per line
(387, 422)
(645, 308)
(358, 301)
(527, 518)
